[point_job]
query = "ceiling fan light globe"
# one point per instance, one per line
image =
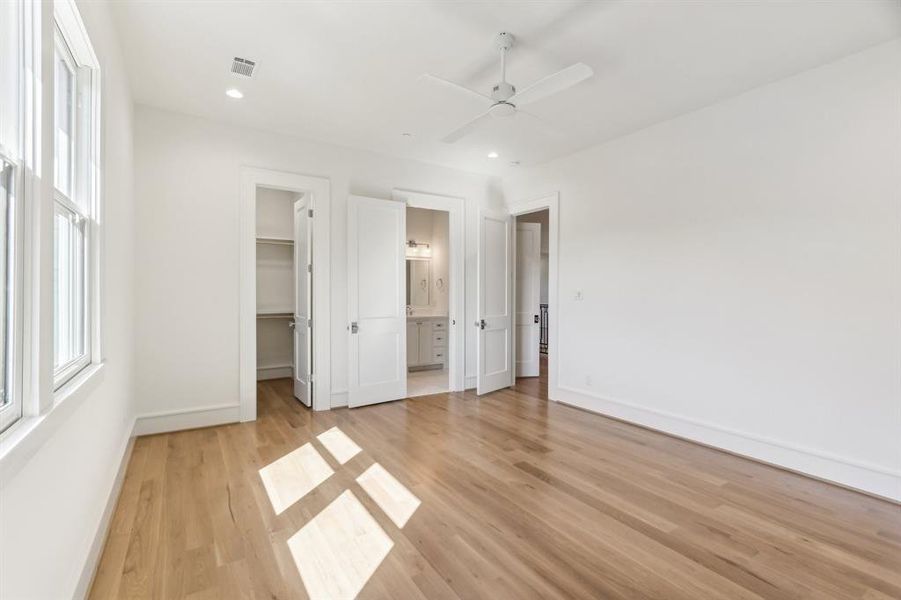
(502, 110)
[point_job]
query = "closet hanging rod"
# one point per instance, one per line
(275, 316)
(275, 241)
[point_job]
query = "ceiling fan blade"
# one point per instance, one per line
(552, 84)
(545, 126)
(464, 130)
(456, 86)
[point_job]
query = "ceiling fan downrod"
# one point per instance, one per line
(503, 91)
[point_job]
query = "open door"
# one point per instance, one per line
(303, 322)
(495, 337)
(376, 286)
(528, 298)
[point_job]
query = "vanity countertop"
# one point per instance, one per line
(415, 317)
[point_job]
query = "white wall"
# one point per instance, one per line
(188, 185)
(275, 213)
(741, 272)
(51, 507)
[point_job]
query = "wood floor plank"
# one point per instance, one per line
(518, 498)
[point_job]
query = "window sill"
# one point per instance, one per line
(22, 440)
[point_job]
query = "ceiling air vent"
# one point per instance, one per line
(243, 66)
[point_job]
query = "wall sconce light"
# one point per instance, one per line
(418, 250)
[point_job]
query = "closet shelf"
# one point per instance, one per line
(275, 241)
(275, 314)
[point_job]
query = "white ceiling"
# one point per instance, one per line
(348, 72)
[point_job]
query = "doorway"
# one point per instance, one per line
(532, 315)
(427, 285)
(544, 211)
(283, 290)
(404, 316)
(284, 274)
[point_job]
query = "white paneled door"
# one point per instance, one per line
(528, 297)
(495, 324)
(376, 300)
(303, 325)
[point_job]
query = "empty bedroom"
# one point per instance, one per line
(421, 299)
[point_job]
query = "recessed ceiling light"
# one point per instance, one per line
(493, 154)
(514, 163)
(234, 93)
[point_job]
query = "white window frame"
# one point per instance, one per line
(71, 39)
(14, 114)
(12, 411)
(44, 406)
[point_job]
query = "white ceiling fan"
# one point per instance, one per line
(506, 101)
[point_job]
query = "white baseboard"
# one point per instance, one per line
(192, 418)
(264, 373)
(872, 479)
(89, 570)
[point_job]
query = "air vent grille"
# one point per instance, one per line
(243, 66)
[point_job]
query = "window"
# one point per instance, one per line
(46, 290)
(64, 114)
(73, 215)
(11, 120)
(10, 401)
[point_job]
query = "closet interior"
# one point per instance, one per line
(275, 282)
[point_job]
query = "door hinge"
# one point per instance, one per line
(309, 268)
(310, 323)
(310, 213)
(312, 377)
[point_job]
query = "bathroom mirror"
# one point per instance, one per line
(419, 282)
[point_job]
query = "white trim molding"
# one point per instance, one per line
(320, 190)
(89, 570)
(868, 478)
(190, 418)
(23, 439)
(264, 373)
(454, 206)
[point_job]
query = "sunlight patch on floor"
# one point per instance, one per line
(392, 496)
(339, 445)
(339, 550)
(293, 476)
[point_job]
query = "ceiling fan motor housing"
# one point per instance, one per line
(503, 91)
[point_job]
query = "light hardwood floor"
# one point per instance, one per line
(518, 498)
